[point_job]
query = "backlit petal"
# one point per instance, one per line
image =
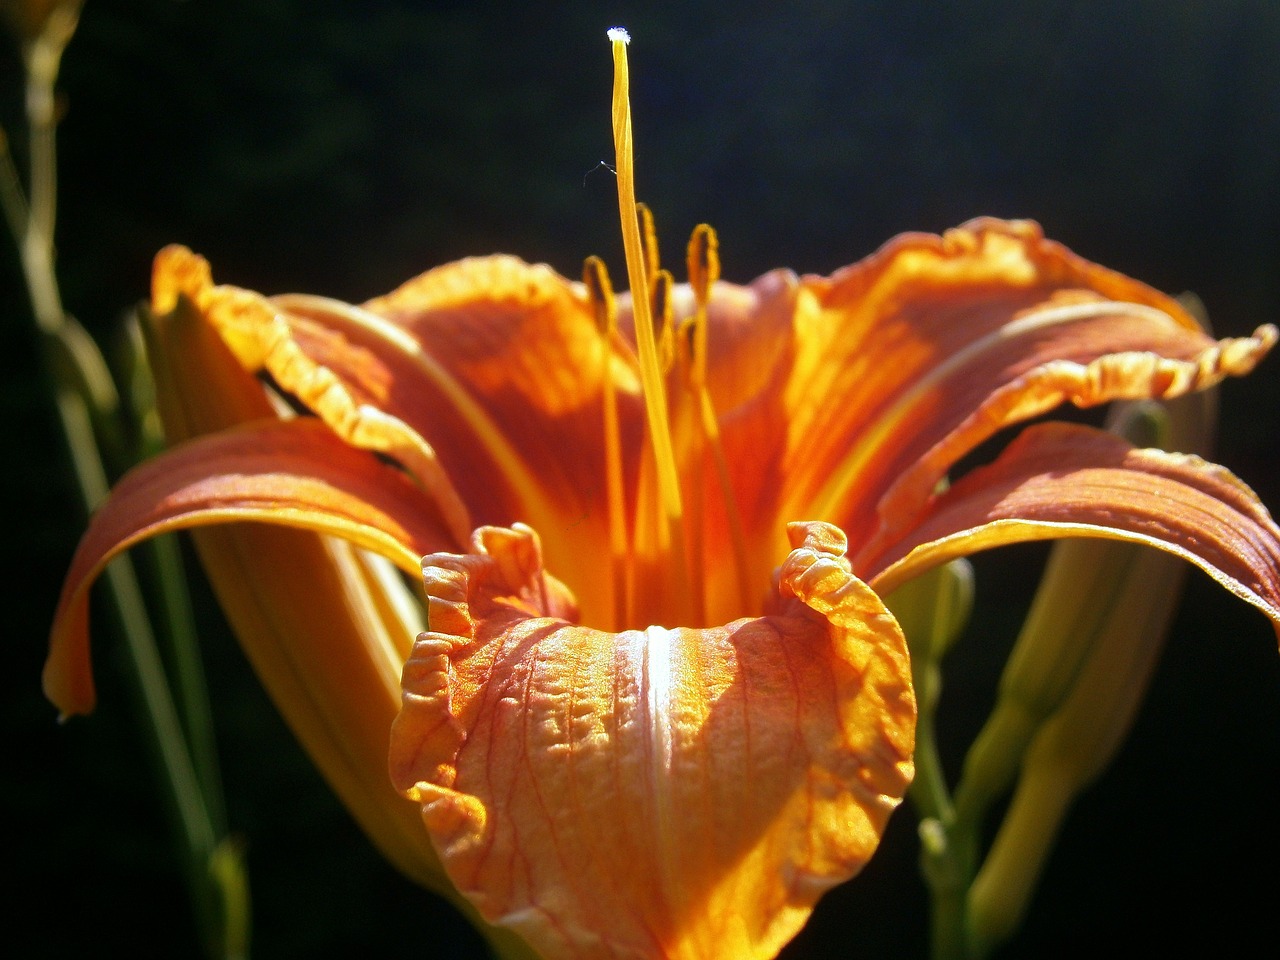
(481, 377)
(1062, 480)
(518, 399)
(293, 474)
(314, 615)
(655, 793)
(875, 381)
(261, 339)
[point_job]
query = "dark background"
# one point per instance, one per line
(340, 148)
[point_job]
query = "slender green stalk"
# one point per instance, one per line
(191, 692)
(932, 611)
(85, 397)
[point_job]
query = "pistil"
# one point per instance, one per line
(663, 581)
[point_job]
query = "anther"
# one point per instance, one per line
(663, 324)
(600, 292)
(702, 259)
(649, 241)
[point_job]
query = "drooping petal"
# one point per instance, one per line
(317, 618)
(1061, 480)
(657, 793)
(288, 473)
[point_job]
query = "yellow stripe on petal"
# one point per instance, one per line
(326, 626)
(903, 362)
(671, 793)
(501, 366)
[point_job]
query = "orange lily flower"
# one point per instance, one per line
(660, 707)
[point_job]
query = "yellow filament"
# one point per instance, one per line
(669, 529)
(649, 241)
(703, 259)
(600, 291)
(689, 426)
(737, 535)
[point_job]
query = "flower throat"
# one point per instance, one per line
(658, 562)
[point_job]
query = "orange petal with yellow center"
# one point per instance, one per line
(260, 338)
(309, 619)
(653, 793)
(1063, 480)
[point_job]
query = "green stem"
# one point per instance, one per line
(190, 689)
(81, 388)
(193, 818)
(946, 852)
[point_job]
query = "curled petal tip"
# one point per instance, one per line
(517, 551)
(178, 272)
(818, 536)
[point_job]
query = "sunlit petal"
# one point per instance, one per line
(849, 397)
(331, 665)
(947, 339)
(261, 339)
(662, 793)
(498, 363)
(1061, 480)
(293, 474)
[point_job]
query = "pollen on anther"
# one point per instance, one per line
(618, 33)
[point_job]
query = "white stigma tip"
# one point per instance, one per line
(618, 33)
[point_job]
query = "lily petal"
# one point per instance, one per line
(951, 338)
(486, 368)
(656, 793)
(261, 339)
(1063, 480)
(289, 473)
(330, 664)
(337, 693)
(875, 381)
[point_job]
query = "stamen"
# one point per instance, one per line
(600, 291)
(649, 240)
(703, 260)
(669, 530)
(663, 324)
(689, 424)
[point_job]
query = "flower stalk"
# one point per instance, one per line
(1066, 699)
(90, 413)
